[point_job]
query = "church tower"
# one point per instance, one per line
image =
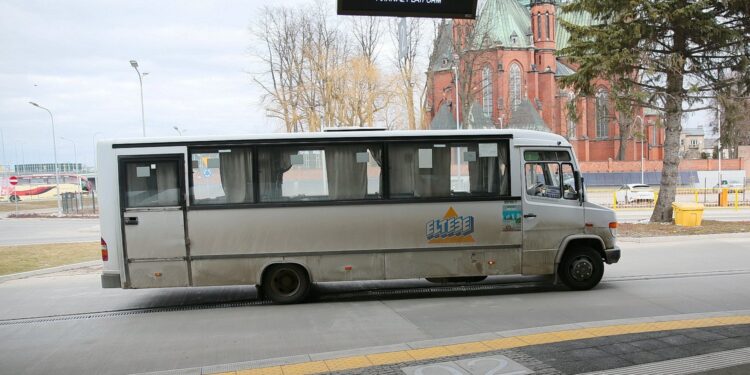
(543, 25)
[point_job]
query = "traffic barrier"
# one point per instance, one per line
(736, 198)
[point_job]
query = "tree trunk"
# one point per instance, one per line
(623, 142)
(673, 127)
(410, 107)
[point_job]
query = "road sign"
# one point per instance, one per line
(13, 180)
(413, 8)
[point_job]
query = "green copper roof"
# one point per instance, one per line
(501, 21)
(562, 36)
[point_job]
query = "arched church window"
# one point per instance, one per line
(549, 34)
(514, 86)
(539, 25)
(487, 91)
(602, 113)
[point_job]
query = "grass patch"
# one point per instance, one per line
(22, 258)
(666, 229)
(27, 205)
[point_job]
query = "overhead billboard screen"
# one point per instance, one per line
(409, 8)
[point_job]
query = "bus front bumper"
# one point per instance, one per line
(612, 255)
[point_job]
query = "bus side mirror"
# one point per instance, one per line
(579, 185)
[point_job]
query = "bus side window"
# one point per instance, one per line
(222, 176)
(151, 184)
(328, 172)
(543, 180)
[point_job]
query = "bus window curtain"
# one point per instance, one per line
(235, 169)
(504, 171)
(168, 193)
(436, 181)
(272, 163)
(402, 164)
(347, 178)
(483, 173)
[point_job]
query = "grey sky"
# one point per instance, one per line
(73, 58)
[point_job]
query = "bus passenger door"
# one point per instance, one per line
(551, 209)
(153, 205)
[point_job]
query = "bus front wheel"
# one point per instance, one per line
(286, 283)
(581, 268)
(14, 198)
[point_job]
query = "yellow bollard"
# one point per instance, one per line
(656, 198)
(614, 200)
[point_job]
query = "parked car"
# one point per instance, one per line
(732, 186)
(634, 192)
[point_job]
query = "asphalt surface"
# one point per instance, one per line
(654, 278)
(52, 230)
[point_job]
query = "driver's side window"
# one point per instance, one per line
(543, 180)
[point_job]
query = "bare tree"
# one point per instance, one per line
(406, 35)
(467, 42)
(279, 30)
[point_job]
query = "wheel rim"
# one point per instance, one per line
(582, 268)
(285, 282)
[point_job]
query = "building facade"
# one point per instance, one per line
(510, 58)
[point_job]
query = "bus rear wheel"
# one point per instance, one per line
(14, 198)
(581, 268)
(286, 283)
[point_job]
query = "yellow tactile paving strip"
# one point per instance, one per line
(377, 359)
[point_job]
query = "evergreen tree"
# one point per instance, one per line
(675, 53)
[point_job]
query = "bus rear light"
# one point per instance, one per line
(105, 252)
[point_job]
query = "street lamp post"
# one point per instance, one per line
(456, 63)
(718, 141)
(134, 64)
(643, 136)
(54, 152)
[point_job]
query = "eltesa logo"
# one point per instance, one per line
(452, 228)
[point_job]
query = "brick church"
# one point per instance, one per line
(515, 82)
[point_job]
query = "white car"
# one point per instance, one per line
(634, 192)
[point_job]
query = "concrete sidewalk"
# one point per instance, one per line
(688, 343)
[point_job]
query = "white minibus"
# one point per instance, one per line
(284, 211)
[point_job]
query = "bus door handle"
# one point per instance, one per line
(529, 216)
(131, 221)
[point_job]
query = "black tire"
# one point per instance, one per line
(286, 283)
(14, 199)
(581, 268)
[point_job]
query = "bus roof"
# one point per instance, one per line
(520, 137)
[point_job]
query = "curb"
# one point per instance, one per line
(45, 271)
(689, 237)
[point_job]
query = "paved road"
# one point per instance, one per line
(631, 215)
(654, 278)
(32, 231)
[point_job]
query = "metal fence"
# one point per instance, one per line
(79, 203)
(732, 197)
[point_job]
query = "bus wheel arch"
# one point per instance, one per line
(580, 265)
(285, 283)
